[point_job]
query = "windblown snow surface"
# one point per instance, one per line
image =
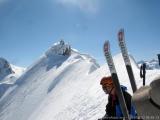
(58, 87)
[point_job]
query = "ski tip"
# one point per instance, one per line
(121, 34)
(106, 46)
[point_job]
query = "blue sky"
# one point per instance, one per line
(29, 27)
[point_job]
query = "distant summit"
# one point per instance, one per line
(150, 65)
(64, 49)
(5, 68)
(60, 48)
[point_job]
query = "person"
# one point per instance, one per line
(113, 109)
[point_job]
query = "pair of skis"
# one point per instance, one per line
(108, 56)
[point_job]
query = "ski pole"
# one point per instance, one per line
(144, 74)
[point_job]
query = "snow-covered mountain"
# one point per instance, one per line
(63, 86)
(150, 65)
(5, 68)
(17, 70)
(8, 75)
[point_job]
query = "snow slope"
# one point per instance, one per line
(63, 87)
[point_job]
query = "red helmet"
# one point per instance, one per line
(106, 80)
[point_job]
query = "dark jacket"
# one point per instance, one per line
(113, 101)
(113, 107)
